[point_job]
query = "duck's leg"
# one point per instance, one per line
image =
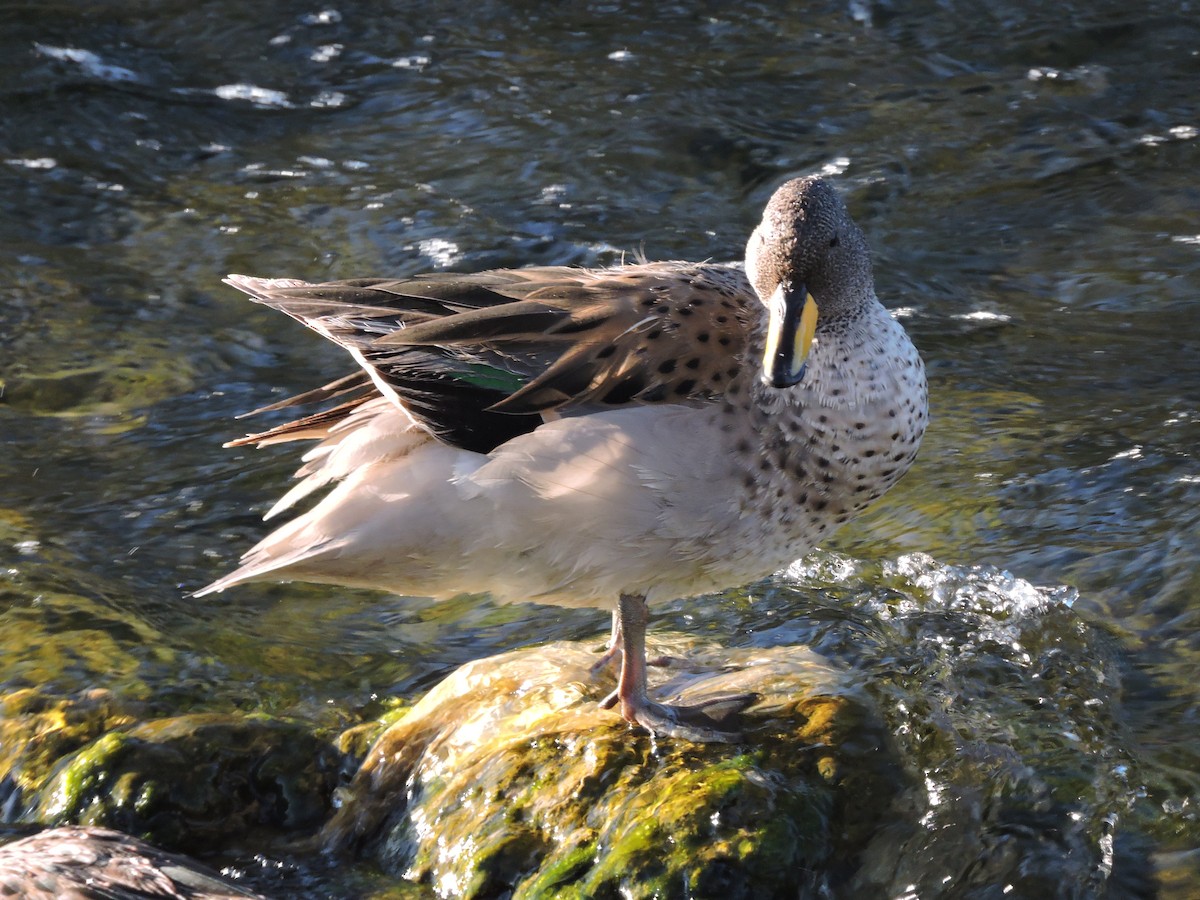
(612, 655)
(713, 720)
(613, 651)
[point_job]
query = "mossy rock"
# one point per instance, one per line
(38, 729)
(195, 782)
(509, 778)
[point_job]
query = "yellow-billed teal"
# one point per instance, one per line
(600, 437)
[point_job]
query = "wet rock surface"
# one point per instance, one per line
(200, 782)
(509, 777)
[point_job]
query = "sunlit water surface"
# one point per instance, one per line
(1024, 606)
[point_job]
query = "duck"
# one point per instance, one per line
(612, 437)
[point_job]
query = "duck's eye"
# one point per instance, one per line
(833, 241)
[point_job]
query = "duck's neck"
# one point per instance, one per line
(838, 373)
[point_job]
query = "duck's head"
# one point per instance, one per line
(810, 266)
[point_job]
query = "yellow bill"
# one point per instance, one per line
(793, 322)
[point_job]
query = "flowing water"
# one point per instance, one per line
(1024, 605)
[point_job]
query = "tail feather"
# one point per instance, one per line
(261, 562)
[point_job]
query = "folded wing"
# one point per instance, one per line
(480, 359)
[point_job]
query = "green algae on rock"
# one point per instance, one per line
(38, 729)
(507, 777)
(195, 782)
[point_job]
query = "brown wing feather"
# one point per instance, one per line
(479, 358)
(641, 334)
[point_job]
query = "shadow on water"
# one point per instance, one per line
(1025, 177)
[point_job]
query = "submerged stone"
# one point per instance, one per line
(508, 777)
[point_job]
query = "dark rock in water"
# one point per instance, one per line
(508, 777)
(197, 782)
(86, 863)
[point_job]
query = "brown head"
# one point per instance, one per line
(810, 266)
